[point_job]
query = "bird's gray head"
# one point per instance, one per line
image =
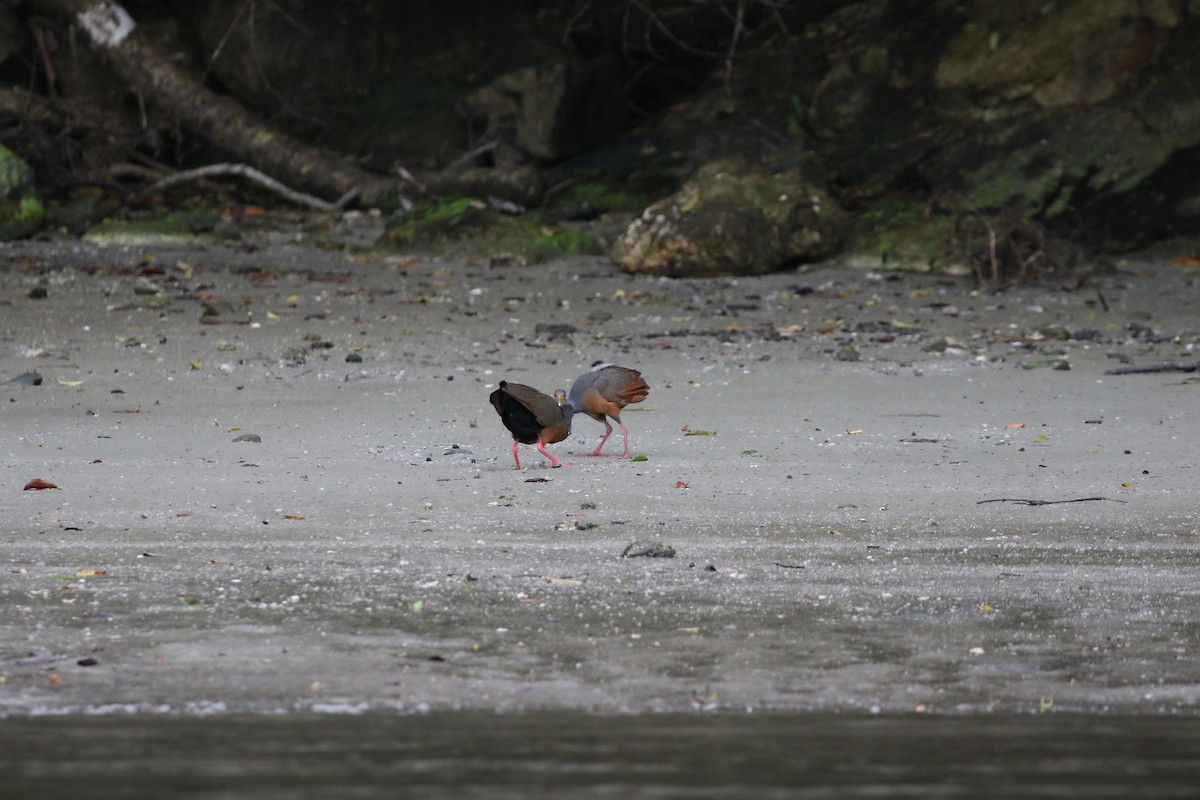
(567, 409)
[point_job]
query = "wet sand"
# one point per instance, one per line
(376, 550)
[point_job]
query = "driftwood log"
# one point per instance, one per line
(113, 36)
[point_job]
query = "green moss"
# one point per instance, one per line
(15, 174)
(600, 196)
(451, 211)
(435, 226)
(468, 228)
(558, 242)
(29, 211)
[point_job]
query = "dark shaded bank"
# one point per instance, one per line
(583, 756)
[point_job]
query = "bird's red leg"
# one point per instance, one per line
(515, 454)
(625, 434)
(599, 447)
(553, 462)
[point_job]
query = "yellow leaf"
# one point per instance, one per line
(689, 629)
(854, 432)
(272, 315)
(84, 573)
(985, 608)
(564, 581)
(69, 383)
(1127, 485)
(195, 363)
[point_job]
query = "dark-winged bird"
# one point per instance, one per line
(532, 417)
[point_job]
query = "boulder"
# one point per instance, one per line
(731, 218)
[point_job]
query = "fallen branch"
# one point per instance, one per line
(158, 80)
(249, 172)
(1024, 502)
(1153, 368)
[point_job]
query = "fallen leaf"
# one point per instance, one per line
(1014, 425)
(293, 516)
(564, 581)
(84, 573)
(39, 484)
(854, 432)
(681, 484)
(63, 382)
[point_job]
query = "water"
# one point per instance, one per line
(584, 756)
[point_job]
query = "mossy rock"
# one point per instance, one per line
(732, 218)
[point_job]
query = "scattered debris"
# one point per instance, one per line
(27, 379)
(648, 550)
(1150, 369)
(1024, 502)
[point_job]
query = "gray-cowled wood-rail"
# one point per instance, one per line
(603, 392)
(533, 417)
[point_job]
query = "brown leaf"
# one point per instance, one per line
(39, 484)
